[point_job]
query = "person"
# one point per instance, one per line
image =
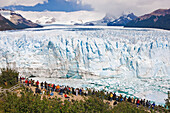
(153, 105)
(32, 82)
(124, 98)
(45, 85)
(58, 87)
(66, 96)
(144, 104)
(141, 102)
(80, 91)
(29, 82)
(90, 91)
(41, 85)
(48, 87)
(20, 79)
(77, 92)
(73, 90)
(111, 96)
(53, 87)
(129, 99)
(86, 93)
(114, 96)
(147, 103)
(37, 83)
(26, 81)
(61, 92)
(70, 90)
(83, 91)
(132, 100)
(138, 102)
(120, 98)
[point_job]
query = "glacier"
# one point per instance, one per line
(130, 61)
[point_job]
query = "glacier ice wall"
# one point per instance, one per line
(80, 52)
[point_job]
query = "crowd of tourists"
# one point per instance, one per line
(49, 89)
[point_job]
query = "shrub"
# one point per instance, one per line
(8, 77)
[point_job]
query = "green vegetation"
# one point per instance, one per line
(8, 78)
(126, 107)
(27, 102)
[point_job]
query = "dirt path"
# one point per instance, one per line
(72, 96)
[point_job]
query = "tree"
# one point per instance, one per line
(8, 77)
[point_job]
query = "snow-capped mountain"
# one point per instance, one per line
(122, 20)
(70, 18)
(18, 21)
(22, 22)
(106, 19)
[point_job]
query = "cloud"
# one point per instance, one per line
(53, 5)
(116, 7)
(20, 2)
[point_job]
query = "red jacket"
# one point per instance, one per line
(65, 95)
(37, 83)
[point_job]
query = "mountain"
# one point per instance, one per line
(108, 18)
(21, 22)
(67, 18)
(5, 24)
(122, 20)
(11, 20)
(157, 19)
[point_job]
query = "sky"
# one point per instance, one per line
(115, 7)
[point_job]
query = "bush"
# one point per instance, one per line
(8, 78)
(126, 107)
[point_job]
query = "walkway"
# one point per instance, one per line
(10, 89)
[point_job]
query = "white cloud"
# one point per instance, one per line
(20, 2)
(116, 7)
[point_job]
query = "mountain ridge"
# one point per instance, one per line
(5, 24)
(9, 20)
(122, 20)
(157, 19)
